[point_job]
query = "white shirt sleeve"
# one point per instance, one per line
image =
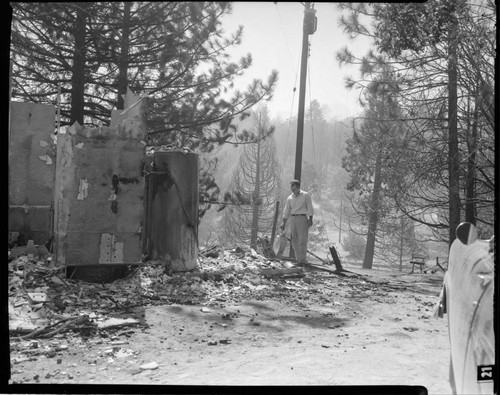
(286, 212)
(309, 206)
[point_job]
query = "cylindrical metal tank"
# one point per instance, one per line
(171, 209)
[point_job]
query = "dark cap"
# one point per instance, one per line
(295, 182)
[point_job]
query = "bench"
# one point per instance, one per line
(417, 260)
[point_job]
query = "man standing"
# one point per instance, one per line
(299, 207)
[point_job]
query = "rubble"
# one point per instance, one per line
(149, 366)
(45, 304)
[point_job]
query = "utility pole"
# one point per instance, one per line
(309, 27)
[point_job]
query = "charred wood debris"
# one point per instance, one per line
(46, 307)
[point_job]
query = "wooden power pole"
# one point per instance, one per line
(309, 27)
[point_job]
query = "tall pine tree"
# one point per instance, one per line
(258, 178)
(173, 52)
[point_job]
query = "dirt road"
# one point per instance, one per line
(319, 329)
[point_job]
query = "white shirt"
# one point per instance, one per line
(300, 204)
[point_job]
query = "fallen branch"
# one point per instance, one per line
(76, 321)
(40, 331)
(441, 267)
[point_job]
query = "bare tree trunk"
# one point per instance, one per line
(401, 243)
(373, 214)
(275, 220)
(123, 58)
(470, 206)
(453, 160)
(256, 200)
(78, 67)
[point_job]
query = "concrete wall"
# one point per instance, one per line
(99, 193)
(31, 170)
(86, 190)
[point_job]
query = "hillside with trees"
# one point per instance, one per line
(439, 170)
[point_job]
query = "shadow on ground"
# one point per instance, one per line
(257, 314)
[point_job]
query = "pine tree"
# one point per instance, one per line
(442, 51)
(257, 177)
(368, 156)
(174, 53)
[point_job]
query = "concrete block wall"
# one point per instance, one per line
(31, 170)
(99, 194)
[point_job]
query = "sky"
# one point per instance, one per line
(273, 35)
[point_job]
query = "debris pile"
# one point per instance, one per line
(53, 316)
(222, 275)
(43, 302)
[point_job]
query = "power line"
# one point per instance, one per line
(322, 221)
(284, 35)
(311, 117)
(294, 88)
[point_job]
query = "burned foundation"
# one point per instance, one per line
(98, 196)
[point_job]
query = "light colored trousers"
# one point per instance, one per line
(300, 230)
